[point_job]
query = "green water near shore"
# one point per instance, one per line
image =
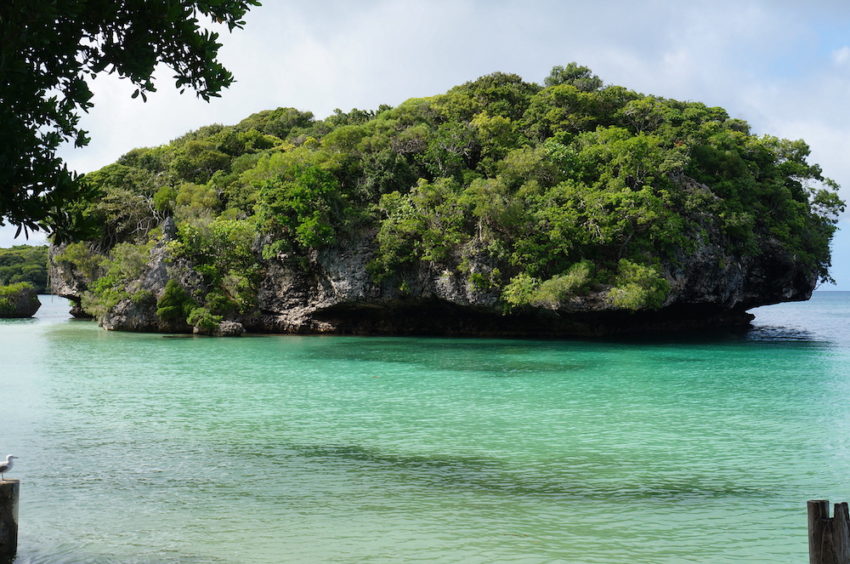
(145, 448)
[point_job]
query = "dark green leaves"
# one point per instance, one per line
(540, 196)
(48, 52)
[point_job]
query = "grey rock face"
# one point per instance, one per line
(140, 315)
(337, 290)
(708, 289)
(65, 281)
(229, 329)
(332, 292)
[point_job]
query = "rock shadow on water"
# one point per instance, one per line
(781, 334)
(497, 358)
(757, 334)
(566, 480)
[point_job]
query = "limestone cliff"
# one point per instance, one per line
(334, 293)
(66, 281)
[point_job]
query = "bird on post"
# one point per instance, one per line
(6, 466)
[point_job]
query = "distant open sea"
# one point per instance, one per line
(140, 448)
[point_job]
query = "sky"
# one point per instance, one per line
(782, 66)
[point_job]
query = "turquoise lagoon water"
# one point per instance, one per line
(149, 448)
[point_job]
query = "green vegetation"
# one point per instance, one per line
(18, 300)
(554, 292)
(175, 304)
(564, 189)
(638, 286)
(118, 272)
(24, 263)
(49, 51)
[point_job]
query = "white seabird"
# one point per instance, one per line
(6, 466)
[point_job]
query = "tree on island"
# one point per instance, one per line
(24, 263)
(581, 77)
(50, 50)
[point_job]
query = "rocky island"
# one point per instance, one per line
(501, 207)
(18, 300)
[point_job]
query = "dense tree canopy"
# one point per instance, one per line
(562, 188)
(24, 263)
(50, 49)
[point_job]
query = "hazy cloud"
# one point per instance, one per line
(841, 56)
(783, 66)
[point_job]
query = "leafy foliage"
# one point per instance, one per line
(638, 286)
(523, 290)
(223, 255)
(306, 206)
(81, 257)
(120, 271)
(175, 304)
(204, 320)
(48, 53)
(24, 263)
(563, 189)
(10, 294)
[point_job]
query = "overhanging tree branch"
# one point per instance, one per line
(50, 49)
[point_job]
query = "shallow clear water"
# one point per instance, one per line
(148, 448)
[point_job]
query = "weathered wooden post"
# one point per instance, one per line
(9, 491)
(829, 537)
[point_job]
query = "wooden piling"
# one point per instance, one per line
(9, 492)
(829, 537)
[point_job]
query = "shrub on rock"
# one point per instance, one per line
(18, 300)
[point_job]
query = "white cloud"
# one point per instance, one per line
(8, 239)
(841, 56)
(779, 64)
